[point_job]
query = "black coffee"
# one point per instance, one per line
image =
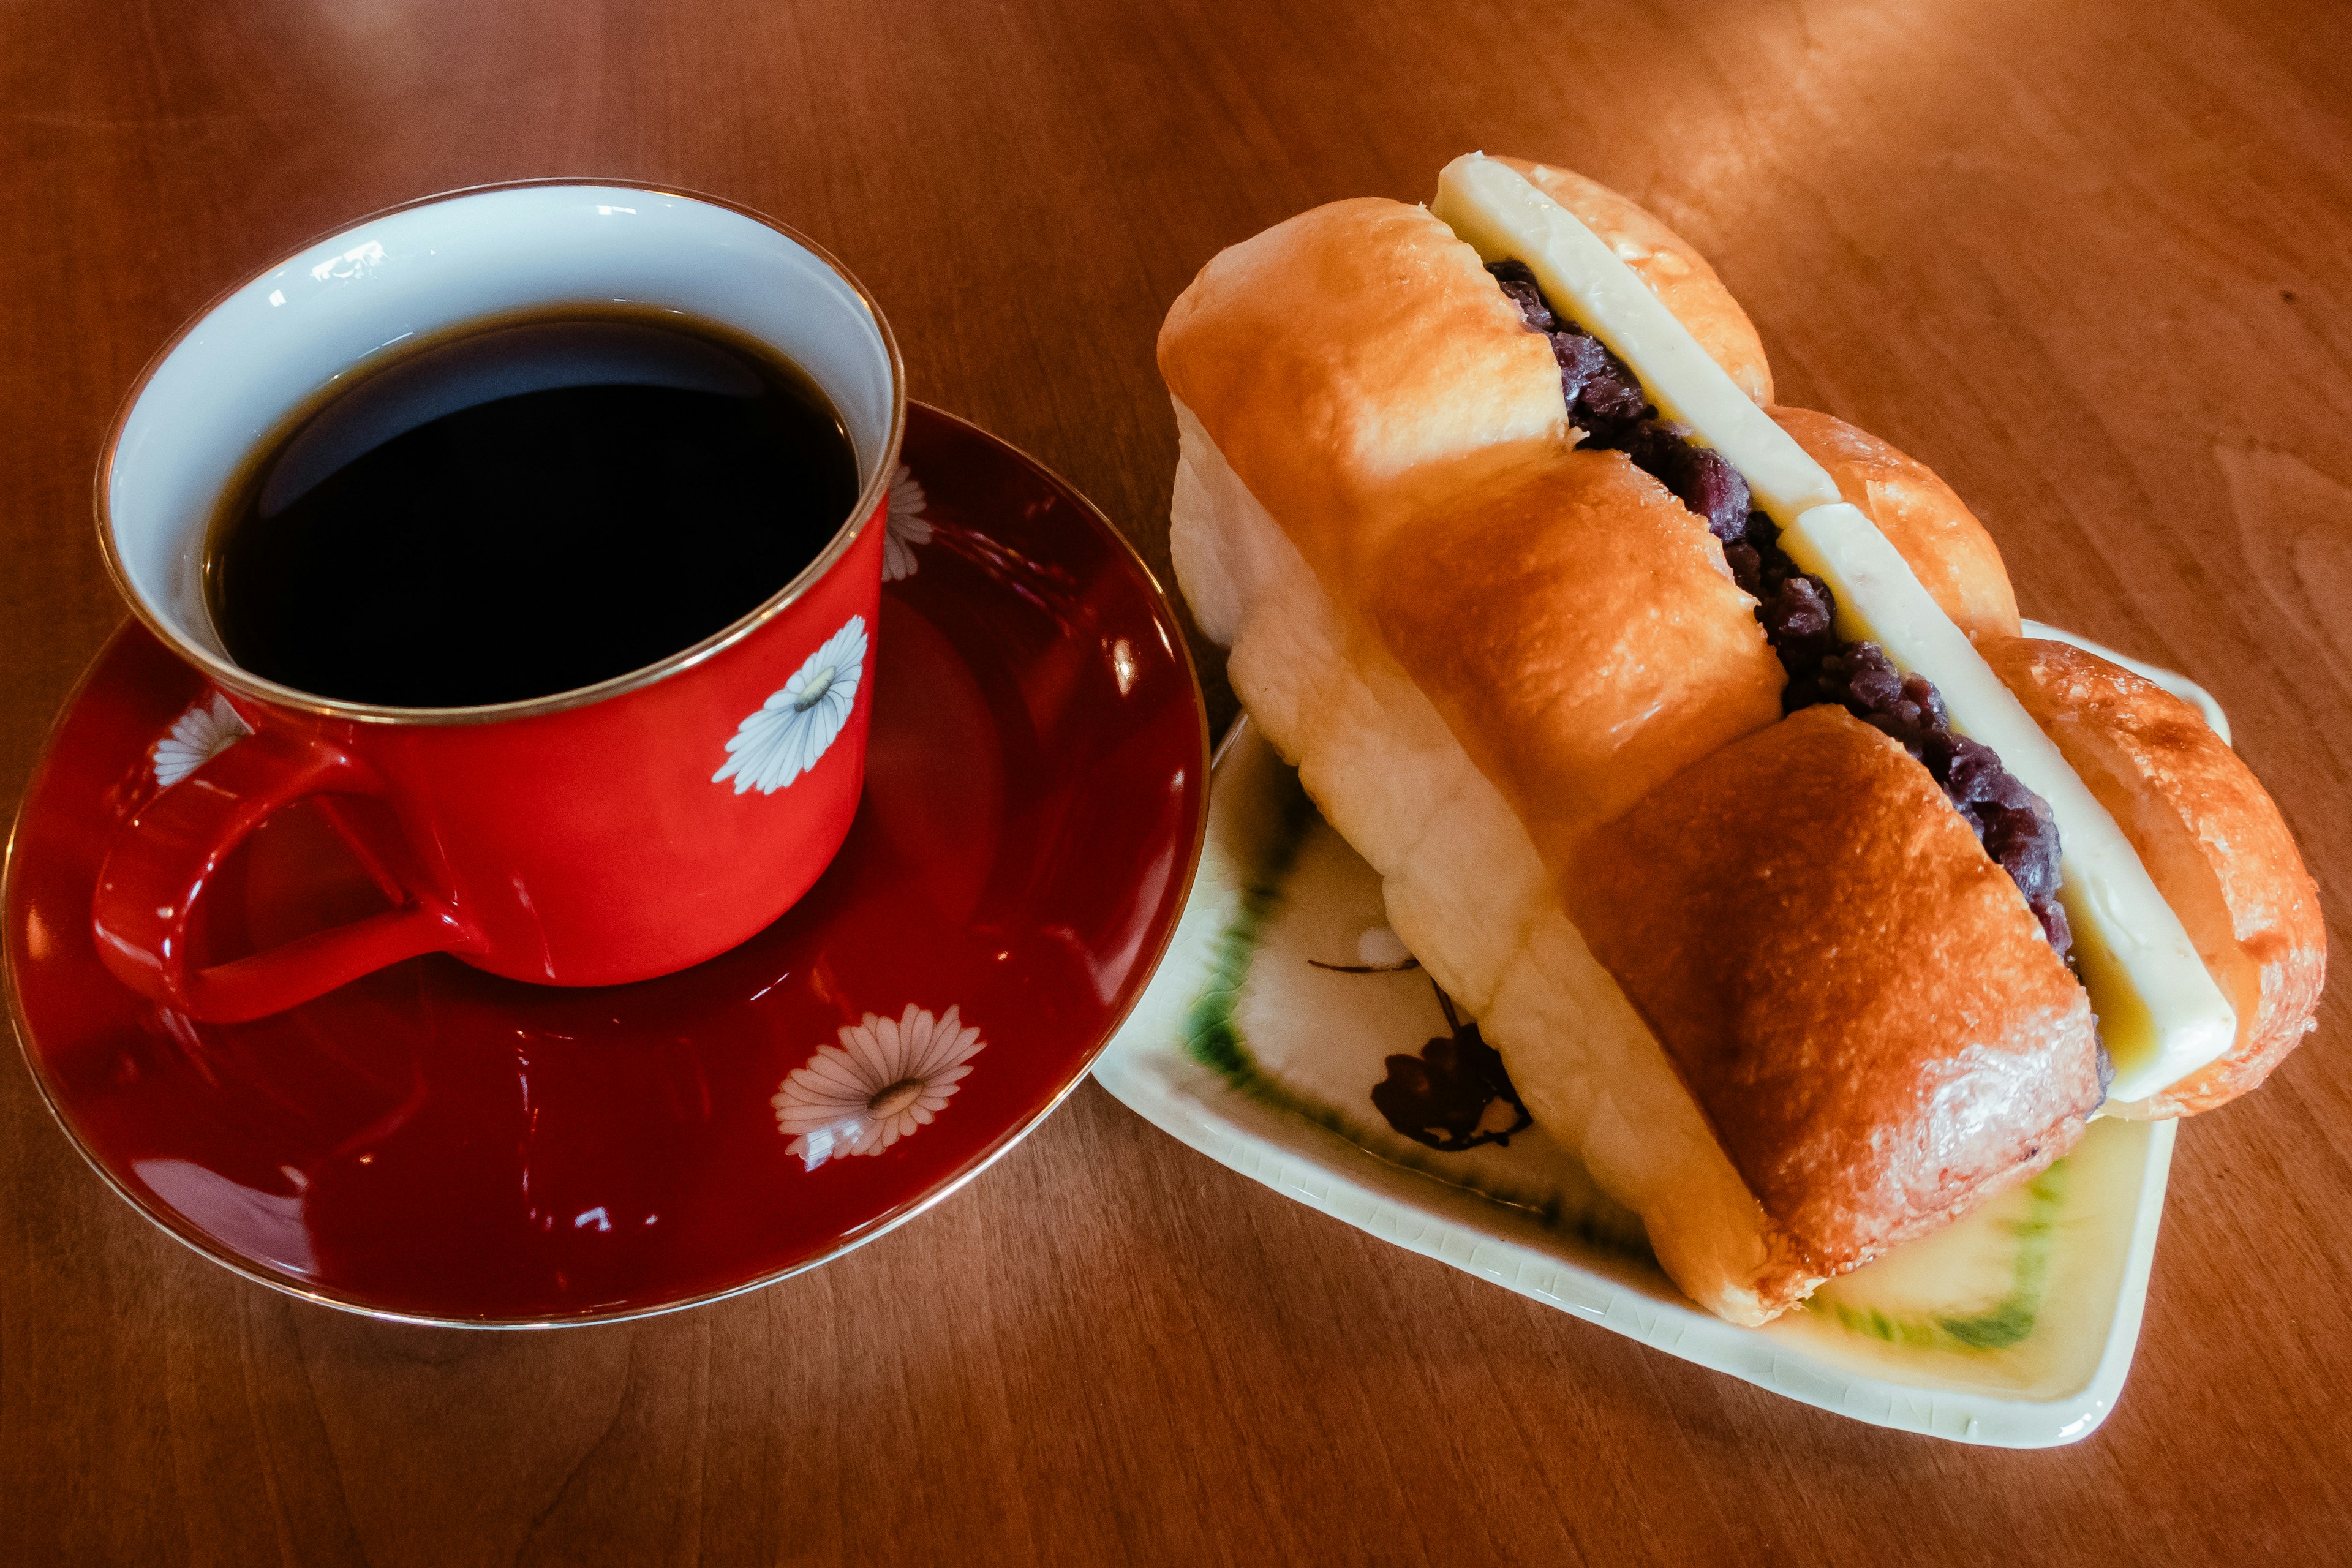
(523, 508)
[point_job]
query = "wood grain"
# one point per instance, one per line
(2094, 262)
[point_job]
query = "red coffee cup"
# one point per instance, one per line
(587, 838)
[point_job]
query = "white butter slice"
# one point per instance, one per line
(2160, 1015)
(1494, 208)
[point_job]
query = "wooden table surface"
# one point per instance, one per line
(2093, 261)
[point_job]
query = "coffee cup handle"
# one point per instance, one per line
(164, 856)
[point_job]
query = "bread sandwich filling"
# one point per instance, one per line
(2161, 1016)
(1797, 608)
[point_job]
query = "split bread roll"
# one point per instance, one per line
(1758, 973)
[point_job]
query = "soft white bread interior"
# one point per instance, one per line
(2210, 837)
(1466, 890)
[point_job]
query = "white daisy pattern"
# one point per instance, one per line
(197, 736)
(904, 526)
(797, 723)
(886, 1079)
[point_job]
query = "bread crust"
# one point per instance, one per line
(2210, 837)
(1674, 271)
(1947, 548)
(1586, 642)
(1346, 352)
(1856, 996)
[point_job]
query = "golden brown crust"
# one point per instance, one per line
(1346, 350)
(1586, 642)
(2210, 835)
(1948, 549)
(1677, 274)
(1856, 996)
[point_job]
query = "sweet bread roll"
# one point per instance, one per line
(1856, 996)
(1941, 540)
(2208, 833)
(1561, 610)
(1760, 976)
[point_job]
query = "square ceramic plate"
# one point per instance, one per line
(1280, 1004)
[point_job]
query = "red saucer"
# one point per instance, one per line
(434, 1142)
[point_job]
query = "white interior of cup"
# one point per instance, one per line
(325, 314)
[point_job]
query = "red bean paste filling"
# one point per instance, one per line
(1606, 402)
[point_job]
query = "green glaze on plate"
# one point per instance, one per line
(2005, 1322)
(1211, 1035)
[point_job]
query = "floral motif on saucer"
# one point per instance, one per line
(888, 1078)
